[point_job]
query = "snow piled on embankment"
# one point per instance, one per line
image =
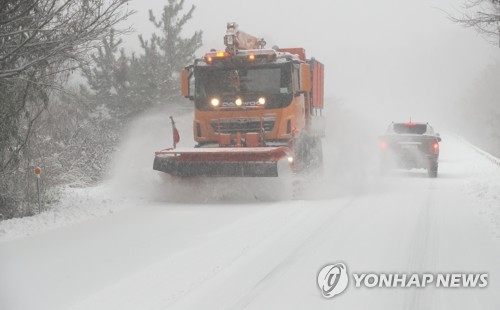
(484, 186)
(76, 205)
(129, 175)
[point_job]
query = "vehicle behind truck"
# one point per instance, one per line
(409, 146)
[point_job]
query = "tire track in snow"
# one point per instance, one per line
(301, 248)
(423, 254)
(207, 259)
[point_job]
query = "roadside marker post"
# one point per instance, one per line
(38, 171)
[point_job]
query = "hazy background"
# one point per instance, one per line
(388, 59)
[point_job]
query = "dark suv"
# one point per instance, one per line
(410, 145)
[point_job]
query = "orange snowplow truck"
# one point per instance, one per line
(254, 107)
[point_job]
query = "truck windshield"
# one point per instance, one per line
(231, 82)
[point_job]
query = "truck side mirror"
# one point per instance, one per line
(186, 75)
(299, 92)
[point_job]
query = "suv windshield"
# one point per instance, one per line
(410, 128)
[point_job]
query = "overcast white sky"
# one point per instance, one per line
(396, 57)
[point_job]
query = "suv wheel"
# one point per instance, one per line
(433, 170)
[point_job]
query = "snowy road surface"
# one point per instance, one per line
(157, 254)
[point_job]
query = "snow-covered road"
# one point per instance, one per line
(265, 254)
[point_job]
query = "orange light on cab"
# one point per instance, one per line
(220, 54)
(251, 57)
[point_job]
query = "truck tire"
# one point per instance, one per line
(309, 153)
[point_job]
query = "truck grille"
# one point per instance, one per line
(243, 125)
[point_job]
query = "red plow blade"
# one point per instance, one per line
(221, 162)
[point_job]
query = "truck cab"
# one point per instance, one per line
(265, 92)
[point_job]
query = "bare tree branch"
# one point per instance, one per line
(41, 41)
(484, 16)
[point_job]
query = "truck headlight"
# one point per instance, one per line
(215, 102)
(262, 100)
(238, 102)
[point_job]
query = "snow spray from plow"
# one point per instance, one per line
(132, 178)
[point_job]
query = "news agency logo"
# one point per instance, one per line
(333, 280)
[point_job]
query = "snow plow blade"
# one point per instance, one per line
(221, 162)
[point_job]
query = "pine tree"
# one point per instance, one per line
(107, 85)
(157, 71)
(126, 85)
(109, 74)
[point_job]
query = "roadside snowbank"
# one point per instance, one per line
(129, 181)
(484, 186)
(76, 205)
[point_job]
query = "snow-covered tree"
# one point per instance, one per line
(41, 42)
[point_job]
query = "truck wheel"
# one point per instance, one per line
(433, 171)
(301, 154)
